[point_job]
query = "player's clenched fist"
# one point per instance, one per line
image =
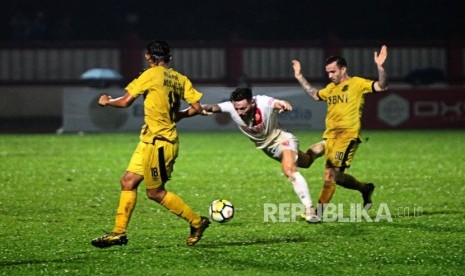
(104, 99)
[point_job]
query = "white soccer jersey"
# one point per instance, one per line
(264, 127)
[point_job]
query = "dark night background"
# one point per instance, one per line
(281, 20)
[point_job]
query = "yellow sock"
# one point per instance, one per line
(327, 192)
(127, 202)
(177, 206)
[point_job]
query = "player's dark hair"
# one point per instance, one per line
(241, 93)
(159, 51)
(340, 61)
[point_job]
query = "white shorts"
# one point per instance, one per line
(284, 141)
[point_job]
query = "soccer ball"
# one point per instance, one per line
(221, 210)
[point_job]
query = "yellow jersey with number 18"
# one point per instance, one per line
(345, 106)
(163, 89)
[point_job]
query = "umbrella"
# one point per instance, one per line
(101, 74)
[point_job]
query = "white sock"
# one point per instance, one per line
(301, 189)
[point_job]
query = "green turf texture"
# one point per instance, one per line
(57, 192)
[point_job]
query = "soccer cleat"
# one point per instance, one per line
(196, 233)
(367, 202)
(110, 239)
(311, 216)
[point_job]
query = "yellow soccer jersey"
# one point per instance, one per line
(163, 89)
(345, 106)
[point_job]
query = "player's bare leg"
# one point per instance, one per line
(317, 150)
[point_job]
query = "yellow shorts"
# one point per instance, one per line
(154, 162)
(339, 152)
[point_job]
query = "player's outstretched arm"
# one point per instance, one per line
(283, 106)
(211, 108)
(193, 110)
(382, 83)
(123, 101)
(311, 91)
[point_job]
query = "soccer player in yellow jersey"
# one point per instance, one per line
(345, 98)
(152, 162)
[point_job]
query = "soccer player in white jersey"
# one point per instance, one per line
(256, 118)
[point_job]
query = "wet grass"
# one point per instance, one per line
(59, 192)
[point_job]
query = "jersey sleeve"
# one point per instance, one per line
(191, 95)
(265, 100)
(138, 86)
(366, 85)
(226, 107)
(323, 93)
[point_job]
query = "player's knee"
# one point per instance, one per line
(330, 175)
(289, 170)
(317, 150)
(156, 194)
(129, 182)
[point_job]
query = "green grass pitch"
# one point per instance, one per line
(57, 192)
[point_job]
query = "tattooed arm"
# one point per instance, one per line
(311, 91)
(382, 83)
